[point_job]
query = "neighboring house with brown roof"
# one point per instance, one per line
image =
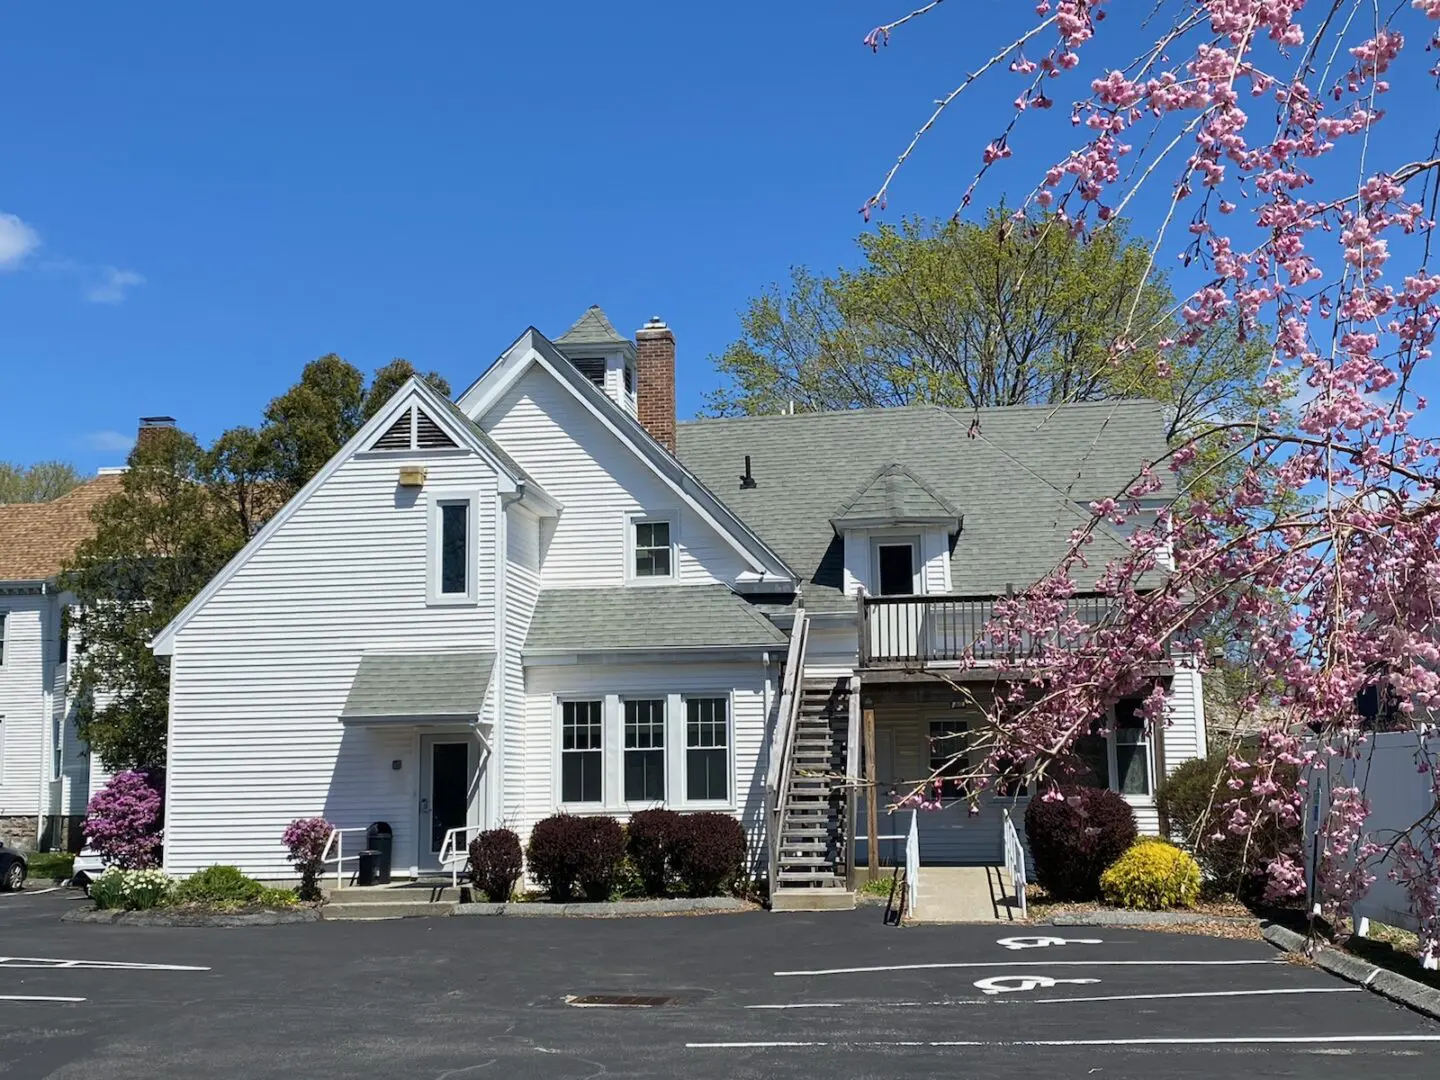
(44, 767)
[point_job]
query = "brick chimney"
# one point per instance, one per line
(655, 376)
(151, 425)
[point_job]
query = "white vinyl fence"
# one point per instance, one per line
(1388, 773)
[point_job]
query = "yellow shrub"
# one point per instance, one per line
(1152, 875)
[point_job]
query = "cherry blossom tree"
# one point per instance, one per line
(1255, 128)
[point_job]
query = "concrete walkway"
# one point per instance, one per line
(964, 894)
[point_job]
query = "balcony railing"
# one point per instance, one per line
(912, 631)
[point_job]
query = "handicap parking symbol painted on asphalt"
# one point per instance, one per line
(1043, 942)
(1009, 984)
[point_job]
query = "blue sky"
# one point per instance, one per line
(211, 195)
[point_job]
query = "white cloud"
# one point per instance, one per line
(110, 283)
(16, 241)
(112, 442)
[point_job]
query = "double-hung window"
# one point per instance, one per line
(582, 758)
(453, 557)
(1117, 758)
(3, 614)
(644, 749)
(57, 748)
(652, 553)
(707, 749)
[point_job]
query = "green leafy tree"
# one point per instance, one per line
(41, 482)
(394, 375)
(157, 542)
(1003, 312)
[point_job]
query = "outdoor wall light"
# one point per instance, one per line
(395, 764)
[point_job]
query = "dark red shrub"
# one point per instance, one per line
(566, 851)
(1075, 839)
(709, 853)
(495, 864)
(650, 841)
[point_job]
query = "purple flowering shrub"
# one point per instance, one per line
(123, 821)
(306, 839)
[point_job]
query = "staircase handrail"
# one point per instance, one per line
(1015, 859)
(777, 780)
(336, 840)
(912, 863)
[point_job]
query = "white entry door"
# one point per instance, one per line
(451, 792)
(895, 628)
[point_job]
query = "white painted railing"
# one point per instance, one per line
(777, 777)
(912, 863)
(455, 851)
(1015, 860)
(336, 841)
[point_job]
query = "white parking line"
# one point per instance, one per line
(1060, 1000)
(23, 997)
(106, 965)
(1033, 963)
(1235, 1040)
(31, 892)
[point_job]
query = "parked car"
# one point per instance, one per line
(13, 869)
(88, 866)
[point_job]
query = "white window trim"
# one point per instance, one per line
(4, 618)
(437, 499)
(670, 518)
(606, 748)
(612, 748)
(917, 559)
(667, 757)
(708, 804)
(1112, 758)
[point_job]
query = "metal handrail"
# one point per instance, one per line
(457, 855)
(1014, 859)
(777, 779)
(336, 839)
(912, 863)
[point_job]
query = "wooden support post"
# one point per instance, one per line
(872, 810)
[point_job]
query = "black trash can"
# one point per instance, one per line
(369, 862)
(380, 839)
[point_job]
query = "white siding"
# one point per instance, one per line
(750, 687)
(261, 672)
(831, 651)
(24, 719)
(522, 589)
(601, 482)
(1184, 734)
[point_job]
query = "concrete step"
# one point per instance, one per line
(393, 909)
(401, 892)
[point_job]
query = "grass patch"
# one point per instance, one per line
(50, 866)
(878, 886)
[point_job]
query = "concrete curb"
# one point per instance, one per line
(610, 910)
(1386, 983)
(193, 918)
(1146, 918)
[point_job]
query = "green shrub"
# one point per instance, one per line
(1192, 800)
(132, 890)
(1153, 875)
(650, 841)
(218, 886)
(709, 853)
(1075, 838)
(276, 898)
(496, 864)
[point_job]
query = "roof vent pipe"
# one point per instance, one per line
(747, 481)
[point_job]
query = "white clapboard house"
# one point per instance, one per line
(548, 595)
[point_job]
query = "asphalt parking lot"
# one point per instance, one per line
(754, 995)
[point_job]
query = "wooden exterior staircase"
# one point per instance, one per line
(810, 806)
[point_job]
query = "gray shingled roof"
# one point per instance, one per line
(1022, 478)
(592, 328)
(646, 617)
(895, 495)
(418, 685)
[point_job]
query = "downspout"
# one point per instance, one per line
(47, 700)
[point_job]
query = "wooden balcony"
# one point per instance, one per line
(947, 631)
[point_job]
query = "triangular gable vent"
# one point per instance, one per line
(413, 429)
(398, 436)
(428, 435)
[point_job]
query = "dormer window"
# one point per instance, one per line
(593, 368)
(651, 549)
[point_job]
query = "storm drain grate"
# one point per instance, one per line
(617, 1001)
